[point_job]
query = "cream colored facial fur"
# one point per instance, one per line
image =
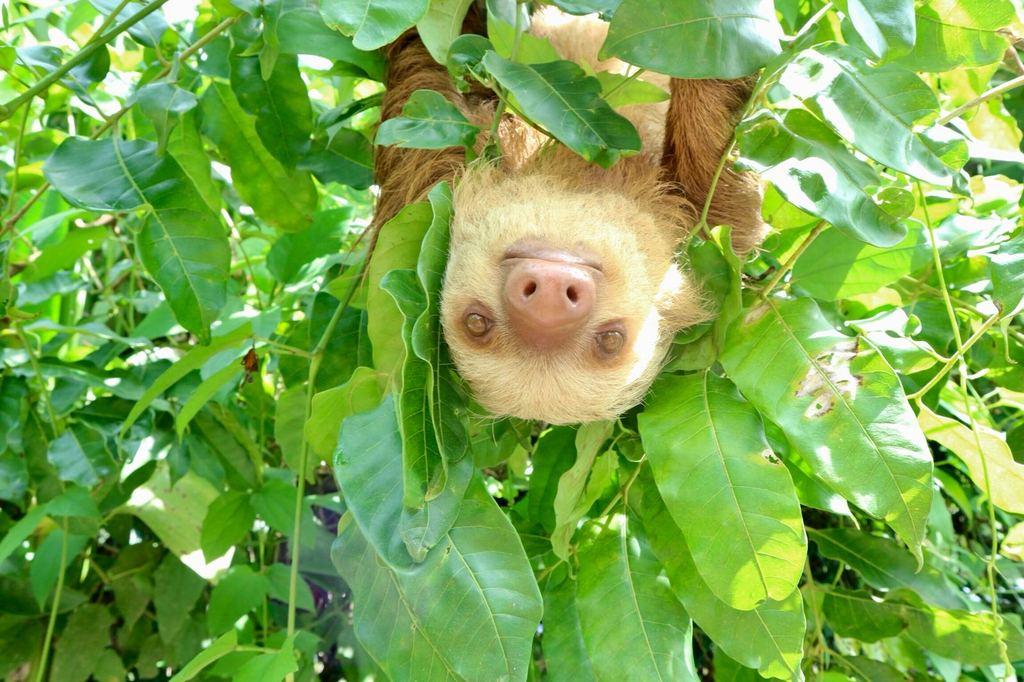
(621, 218)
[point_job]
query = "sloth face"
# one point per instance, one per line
(560, 299)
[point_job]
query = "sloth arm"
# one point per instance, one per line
(701, 118)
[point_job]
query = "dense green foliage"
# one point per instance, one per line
(232, 444)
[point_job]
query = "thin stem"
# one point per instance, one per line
(812, 22)
(962, 348)
(300, 490)
(48, 639)
(703, 223)
(17, 163)
(185, 54)
(937, 262)
(791, 261)
(983, 97)
(8, 109)
(990, 563)
(43, 389)
(111, 18)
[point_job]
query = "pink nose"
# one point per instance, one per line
(547, 301)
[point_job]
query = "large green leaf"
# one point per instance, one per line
(878, 110)
(955, 33)
(857, 615)
(768, 637)
(565, 653)
(836, 266)
(237, 593)
(650, 636)
(886, 27)
(280, 103)
(182, 243)
(734, 501)
(80, 455)
(398, 246)
(372, 23)
(468, 610)
(293, 250)
(1007, 268)
(989, 459)
(301, 30)
(164, 104)
(567, 103)
(882, 564)
(441, 25)
(345, 157)
(841, 406)
(735, 37)
(228, 520)
(428, 121)
(812, 168)
(581, 485)
(285, 199)
(359, 394)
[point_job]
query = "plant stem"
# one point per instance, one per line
(185, 54)
(316, 358)
(791, 261)
(937, 262)
(48, 639)
(17, 163)
(111, 18)
(962, 348)
(983, 97)
(8, 109)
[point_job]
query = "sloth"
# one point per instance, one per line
(564, 288)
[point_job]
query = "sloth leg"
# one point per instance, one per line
(700, 123)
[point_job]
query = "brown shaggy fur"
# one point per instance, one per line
(633, 217)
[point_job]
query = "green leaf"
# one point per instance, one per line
(565, 653)
(269, 667)
(293, 250)
(163, 104)
(345, 158)
(301, 30)
(182, 243)
(372, 23)
(553, 455)
(81, 643)
(650, 636)
(46, 564)
(840, 405)
(186, 146)
(468, 610)
(887, 27)
(877, 109)
(174, 514)
(441, 25)
(80, 455)
(428, 121)
(220, 647)
(567, 103)
(883, 564)
(149, 31)
(956, 33)
(620, 91)
(280, 103)
(988, 458)
(360, 393)
(1007, 269)
(192, 360)
(204, 393)
(398, 246)
(768, 637)
(736, 37)
(711, 462)
(20, 531)
(857, 615)
(176, 588)
(581, 7)
(227, 523)
(836, 266)
(582, 484)
(240, 591)
(286, 199)
(812, 168)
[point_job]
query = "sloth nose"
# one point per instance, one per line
(547, 301)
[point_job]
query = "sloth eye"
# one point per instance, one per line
(611, 342)
(477, 324)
